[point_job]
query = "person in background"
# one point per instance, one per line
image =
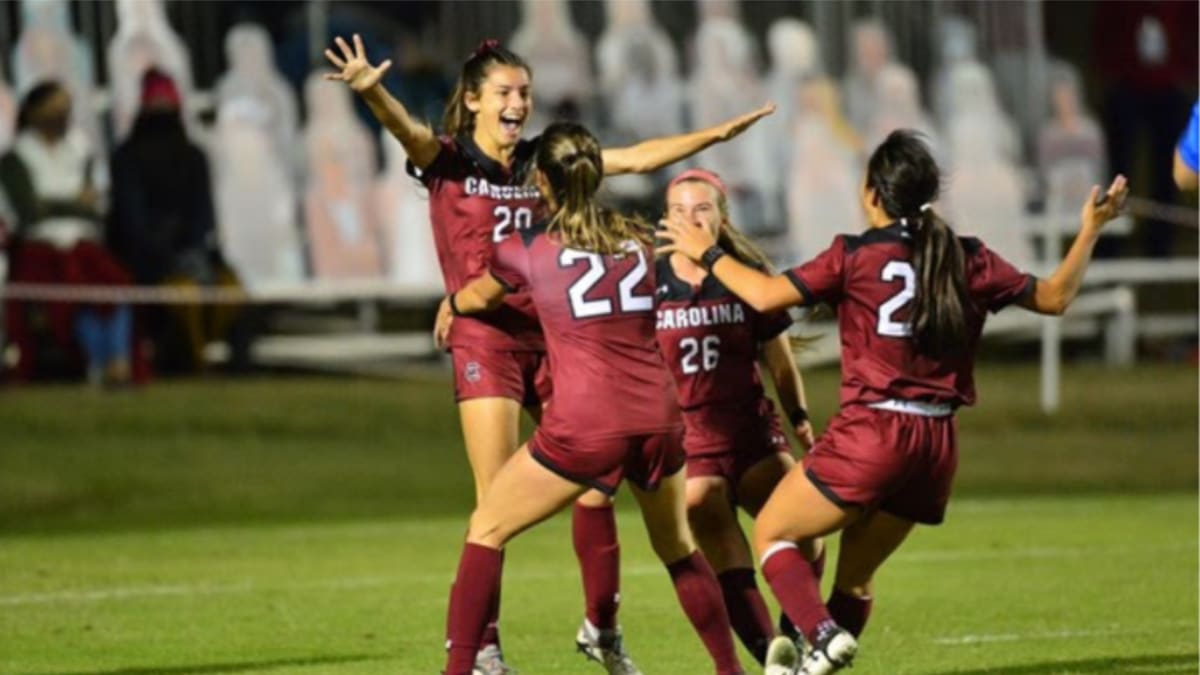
(49, 183)
(162, 227)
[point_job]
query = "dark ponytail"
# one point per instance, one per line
(906, 179)
(457, 118)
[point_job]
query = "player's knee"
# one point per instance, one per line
(486, 530)
(671, 543)
(708, 510)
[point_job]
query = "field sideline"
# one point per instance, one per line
(311, 526)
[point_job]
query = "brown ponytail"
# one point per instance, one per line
(569, 156)
(906, 179)
(457, 118)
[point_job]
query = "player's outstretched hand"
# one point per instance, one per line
(356, 71)
(683, 237)
(806, 435)
(737, 125)
(441, 326)
(1103, 207)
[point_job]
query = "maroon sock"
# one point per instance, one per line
(785, 624)
(849, 611)
(594, 531)
(700, 596)
(491, 632)
(747, 610)
(795, 584)
(471, 598)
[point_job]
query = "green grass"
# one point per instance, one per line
(312, 526)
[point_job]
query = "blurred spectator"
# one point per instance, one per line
(420, 82)
(1070, 146)
(343, 233)
(252, 74)
(8, 113)
(256, 200)
(403, 208)
(795, 57)
(1147, 52)
(1187, 153)
(823, 182)
(48, 49)
(161, 226)
(145, 39)
(957, 44)
(724, 80)
(558, 54)
(50, 183)
(898, 106)
(639, 78)
(871, 53)
(970, 99)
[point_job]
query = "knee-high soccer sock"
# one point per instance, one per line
(474, 590)
(491, 632)
(849, 611)
(818, 567)
(797, 587)
(700, 596)
(747, 610)
(594, 531)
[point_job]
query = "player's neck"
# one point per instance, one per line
(687, 270)
(503, 155)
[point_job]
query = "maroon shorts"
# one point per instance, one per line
(728, 444)
(901, 463)
(480, 373)
(644, 459)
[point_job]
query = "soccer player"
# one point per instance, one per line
(737, 452)
(911, 300)
(476, 175)
(614, 414)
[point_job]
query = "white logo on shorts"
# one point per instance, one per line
(473, 372)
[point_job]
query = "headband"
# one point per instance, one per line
(702, 175)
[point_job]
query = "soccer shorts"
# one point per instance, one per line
(642, 459)
(521, 376)
(727, 442)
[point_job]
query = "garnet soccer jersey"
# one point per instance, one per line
(597, 313)
(870, 281)
(474, 204)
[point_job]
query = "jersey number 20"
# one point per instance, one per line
(581, 307)
(509, 220)
(897, 269)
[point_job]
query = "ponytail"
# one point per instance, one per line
(939, 324)
(457, 118)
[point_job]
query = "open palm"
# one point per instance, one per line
(356, 71)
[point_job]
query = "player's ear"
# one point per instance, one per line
(471, 100)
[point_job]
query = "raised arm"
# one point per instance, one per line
(789, 386)
(1054, 294)
(366, 80)
(656, 153)
(763, 292)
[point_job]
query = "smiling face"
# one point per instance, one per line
(501, 106)
(697, 203)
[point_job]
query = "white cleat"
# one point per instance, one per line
(490, 661)
(832, 651)
(782, 657)
(606, 647)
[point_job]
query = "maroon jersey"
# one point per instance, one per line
(597, 313)
(869, 280)
(474, 204)
(710, 340)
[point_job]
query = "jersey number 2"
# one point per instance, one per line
(509, 220)
(897, 269)
(581, 307)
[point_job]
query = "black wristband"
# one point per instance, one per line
(454, 305)
(798, 416)
(711, 256)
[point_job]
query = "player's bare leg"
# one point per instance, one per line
(713, 518)
(787, 538)
(865, 546)
(522, 494)
(664, 512)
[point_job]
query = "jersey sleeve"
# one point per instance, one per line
(770, 324)
(1189, 143)
(996, 283)
(441, 165)
(821, 279)
(510, 264)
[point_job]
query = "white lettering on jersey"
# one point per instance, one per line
(711, 315)
(475, 186)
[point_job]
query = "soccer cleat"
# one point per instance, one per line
(606, 647)
(833, 650)
(490, 661)
(782, 657)
(789, 631)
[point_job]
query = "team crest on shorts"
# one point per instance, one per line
(472, 372)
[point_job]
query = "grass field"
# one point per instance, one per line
(311, 526)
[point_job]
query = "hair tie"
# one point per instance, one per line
(485, 47)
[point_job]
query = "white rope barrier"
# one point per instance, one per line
(351, 291)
